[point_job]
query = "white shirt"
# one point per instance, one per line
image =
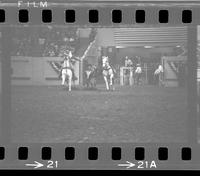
(159, 70)
(105, 62)
(138, 70)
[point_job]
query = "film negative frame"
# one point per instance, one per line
(128, 155)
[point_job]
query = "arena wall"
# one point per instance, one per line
(37, 71)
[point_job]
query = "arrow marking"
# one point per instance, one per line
(35, 165)
(127, 165)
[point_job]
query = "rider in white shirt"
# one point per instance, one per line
(68, 55)
(138, 69)
(105, 63)
(138, 73)
(158, 74)
(159, 70)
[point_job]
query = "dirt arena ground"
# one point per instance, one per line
(129, 114)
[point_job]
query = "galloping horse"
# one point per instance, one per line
(108, 73)
(66, 73)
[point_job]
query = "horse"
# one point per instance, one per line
(66, 73)
(108, 74)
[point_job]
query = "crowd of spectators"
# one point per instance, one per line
(47, 41)
(44, 41)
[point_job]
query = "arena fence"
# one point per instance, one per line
(37, 71)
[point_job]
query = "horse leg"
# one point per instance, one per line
(111, 81)
(88, 83)
(69, 80)
(106, 81)
(63, 79)
(137, 79)
(70, 83)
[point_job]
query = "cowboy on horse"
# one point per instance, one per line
(108, 72)
(105, 63)
(68, 56)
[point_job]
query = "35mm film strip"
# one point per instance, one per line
(99, 85)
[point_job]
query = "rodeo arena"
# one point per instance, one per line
(72, 84)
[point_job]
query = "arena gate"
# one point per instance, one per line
(37, 71)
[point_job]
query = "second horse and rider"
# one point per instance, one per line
(91, 73)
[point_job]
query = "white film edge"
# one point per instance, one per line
(100, 84)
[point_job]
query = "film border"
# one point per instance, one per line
(35, 149)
